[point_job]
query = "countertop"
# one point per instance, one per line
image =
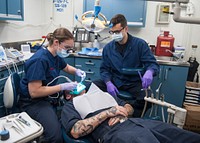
(161, 60)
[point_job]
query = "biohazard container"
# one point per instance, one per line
(165, 44)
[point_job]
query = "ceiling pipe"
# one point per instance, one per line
(172, 1)
(177, 12)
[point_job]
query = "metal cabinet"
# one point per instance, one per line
(171, 83)
(90, 66)
(11, 10)
(134, 10)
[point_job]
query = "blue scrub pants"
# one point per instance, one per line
(137, 130)
(43, 112)
(134, 89)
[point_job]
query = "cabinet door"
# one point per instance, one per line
(3, 9)
(134, 10)
(11, 10)
(172, 80)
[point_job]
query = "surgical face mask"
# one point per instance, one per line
(117, 37)
(62, 53)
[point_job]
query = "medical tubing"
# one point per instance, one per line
(13, 65)
(151, 111)
(163, 116)
(69, 80)
(145, 104)
(17, 69)
(152, 107)
(8, 68)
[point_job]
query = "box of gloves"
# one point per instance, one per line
(192, 118)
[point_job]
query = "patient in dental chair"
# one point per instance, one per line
(105, 119)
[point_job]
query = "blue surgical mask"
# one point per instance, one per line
(62, 53)
(117, 37)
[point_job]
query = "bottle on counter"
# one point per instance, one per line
(193, 53)
(96, 42)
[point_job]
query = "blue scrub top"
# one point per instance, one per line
(137, 54)
(41, 66)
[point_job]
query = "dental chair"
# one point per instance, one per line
(10, 100)
(10, 96)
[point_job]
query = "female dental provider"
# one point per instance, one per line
(36, 87)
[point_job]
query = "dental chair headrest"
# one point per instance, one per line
(11, 87)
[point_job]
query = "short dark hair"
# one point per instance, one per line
(119, 18)
(61, 34)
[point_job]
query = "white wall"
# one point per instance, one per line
(41, 17)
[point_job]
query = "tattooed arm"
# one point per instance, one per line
(86, 126)
(119, 118)
(129, 109)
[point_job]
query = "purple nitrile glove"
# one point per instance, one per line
(147, 79)
(111, 89)
(68, 86)
(80, 73)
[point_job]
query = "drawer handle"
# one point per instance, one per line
(88, 72)
(87, 80)
(78, 65)
(89, 63)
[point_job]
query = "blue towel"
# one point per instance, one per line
(90, 51)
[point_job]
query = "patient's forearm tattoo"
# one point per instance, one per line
(86, 126)
(113, 110)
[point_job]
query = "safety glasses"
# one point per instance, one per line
(67, 48)
(116, 31)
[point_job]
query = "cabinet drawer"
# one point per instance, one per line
(85, 62)
(91, 78)
(91, 71)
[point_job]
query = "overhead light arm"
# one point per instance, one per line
(93, 21)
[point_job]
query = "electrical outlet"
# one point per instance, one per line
(190, 9)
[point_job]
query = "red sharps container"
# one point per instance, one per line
(165, 44)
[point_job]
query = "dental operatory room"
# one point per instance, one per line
(99, 71)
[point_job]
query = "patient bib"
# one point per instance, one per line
(95, 99)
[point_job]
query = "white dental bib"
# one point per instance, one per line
(95, 99)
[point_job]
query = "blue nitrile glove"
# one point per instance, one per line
(147, 79)
(80, 73)
(68, 86)
(111, 88)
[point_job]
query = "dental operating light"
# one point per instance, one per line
(93, 21)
